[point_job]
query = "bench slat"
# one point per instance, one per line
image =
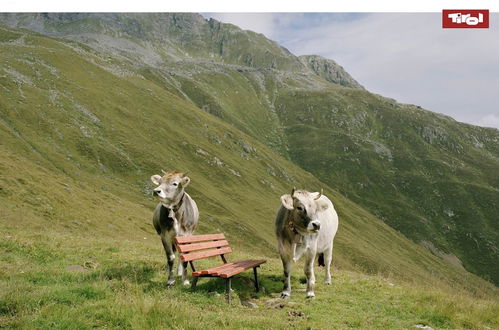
(213, 270)
(201, 246)
(204, 254)
(249, 264)
(208, 270)
(237, 265)
(198, 238)
(229, 269)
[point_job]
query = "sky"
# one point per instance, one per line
(404, 56)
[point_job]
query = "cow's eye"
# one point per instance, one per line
(299, 208)
(175, 184)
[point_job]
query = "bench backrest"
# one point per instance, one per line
(201, 246)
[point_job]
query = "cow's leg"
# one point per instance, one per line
(170, 257)
(182, 270)
(328, 257)
(309, 273)
(298, 251)
(286, 264)
(182, 267)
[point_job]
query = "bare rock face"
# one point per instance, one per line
(153, 38)
(329, 70)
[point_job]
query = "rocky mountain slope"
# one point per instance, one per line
(428, 177)
(329, 70)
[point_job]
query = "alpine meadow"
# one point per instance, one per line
(92, 105)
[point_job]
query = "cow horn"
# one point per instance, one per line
(320, 194)
(163, 171)
(293, 191)
(184, 174)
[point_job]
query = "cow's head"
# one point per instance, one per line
(304, 207)
(170, 187)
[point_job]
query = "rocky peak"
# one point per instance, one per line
(329, 70)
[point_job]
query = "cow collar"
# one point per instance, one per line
(292, 228)
(298, 238)
(176, 207)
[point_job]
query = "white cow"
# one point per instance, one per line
(175, 215)
(306, 224)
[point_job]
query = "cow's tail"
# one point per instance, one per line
(321, 260)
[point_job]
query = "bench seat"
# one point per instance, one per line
(229, 269)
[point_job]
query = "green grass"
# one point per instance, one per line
(79, 143)
(128, 290)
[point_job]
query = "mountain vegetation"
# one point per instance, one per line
(91, 105)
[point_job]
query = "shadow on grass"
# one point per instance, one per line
(137, 272)
(243, 285)
(152, 279)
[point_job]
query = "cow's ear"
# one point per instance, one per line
(322, 205)
(287, 201)
(156, 179)
(185, 181)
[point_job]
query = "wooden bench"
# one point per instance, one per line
(204, 246)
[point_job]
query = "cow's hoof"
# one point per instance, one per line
(328, 282)
(170, 282)
(285, 295)
(186, 282)
(310, 295)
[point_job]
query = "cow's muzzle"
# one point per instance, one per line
(156, 192)
(314, 226)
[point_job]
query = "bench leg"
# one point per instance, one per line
(257, 287)
(227, 289)
(194, 282)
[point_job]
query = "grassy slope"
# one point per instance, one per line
(78, 145)
(127, 290)
(426, 175)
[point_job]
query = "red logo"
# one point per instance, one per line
(465, 19)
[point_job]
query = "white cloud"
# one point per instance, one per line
(406, 56)
(488, 121)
